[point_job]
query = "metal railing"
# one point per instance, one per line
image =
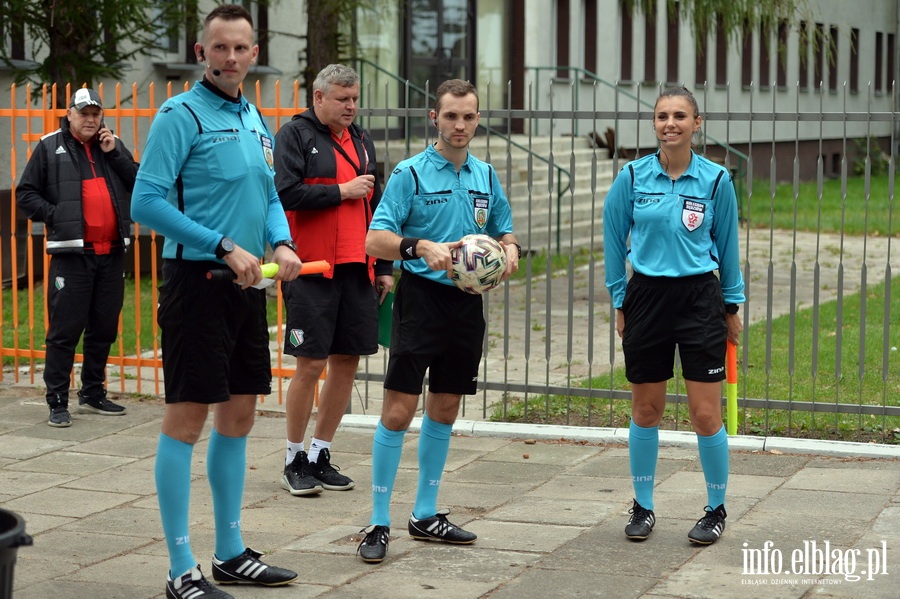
(819, 352)
(563, 179)
(586, 77)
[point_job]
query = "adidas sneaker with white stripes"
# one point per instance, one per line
(193, 585)
(710, 527)
(438, 528)
(248, 569)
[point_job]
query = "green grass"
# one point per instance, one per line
(558, 263)
(778, 377)
(33, 337)
(834, 212)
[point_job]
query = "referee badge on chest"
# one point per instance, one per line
(266, 142)
(481, 205)
(692, 214)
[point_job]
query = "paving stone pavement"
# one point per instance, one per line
(548, 503)
(549, 514)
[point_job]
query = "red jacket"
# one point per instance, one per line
(306, 180)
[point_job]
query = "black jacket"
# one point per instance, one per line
(50, 188)
(306, 179)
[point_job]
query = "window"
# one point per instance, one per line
(700, 60)
(890, 61)
(803, 51)
(625, 68)
(854, 60)
(819, 60)
(562, 38)
(781, 56)
(262, 33)
(672, 49)
(12, 37)
(721, 52)
(590, 36)
(879, 62)
(765, 57)
(649, 48)
(746, 55)
(833, 59)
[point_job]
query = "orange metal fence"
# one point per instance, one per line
(28, 119)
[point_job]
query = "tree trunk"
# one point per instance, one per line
(70, 29)
(323, 32)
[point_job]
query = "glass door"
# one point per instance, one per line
(440, 44)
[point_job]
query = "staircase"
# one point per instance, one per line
(543, 219)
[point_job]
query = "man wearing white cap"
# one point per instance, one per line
(78, 182)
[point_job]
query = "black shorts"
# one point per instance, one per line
(215, 339)
(662, 312)
(437, 328)
(331, 316)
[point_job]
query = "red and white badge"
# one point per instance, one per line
(692, 214)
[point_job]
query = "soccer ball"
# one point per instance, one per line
(478, 264)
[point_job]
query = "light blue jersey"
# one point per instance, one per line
(678, 228)
(426, 198)
(207, 171)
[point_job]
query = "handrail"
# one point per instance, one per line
(742, 159)
(560, 171)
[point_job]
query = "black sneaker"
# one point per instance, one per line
(60, 417)
(247, 568)
(438, 528)
(710, 527)
(193, 585)
(641, 524)
(328, 475)
(374, 545)
(298, 478)
(59, 410)
(98, 404)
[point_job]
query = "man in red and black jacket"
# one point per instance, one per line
(78, 182)
(328, 182)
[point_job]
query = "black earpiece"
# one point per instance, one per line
(215, 72)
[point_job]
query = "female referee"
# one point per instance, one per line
(680, 211)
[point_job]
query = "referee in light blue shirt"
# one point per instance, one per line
(208, 186)
(680, 212)
(430, 202)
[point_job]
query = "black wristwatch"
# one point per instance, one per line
(225, 247)
(286, 242)
(731, 308)
(519, 247)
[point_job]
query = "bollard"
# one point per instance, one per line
(12, 536)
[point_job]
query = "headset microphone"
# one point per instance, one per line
(215, 72)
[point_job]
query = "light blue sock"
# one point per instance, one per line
(173, 490)
(226, 467)
(643, 451)
(387, 447)
(714, 459)
(434, 444)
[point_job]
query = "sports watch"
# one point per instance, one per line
(286, 242)
(225, 247)
(731, 308)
